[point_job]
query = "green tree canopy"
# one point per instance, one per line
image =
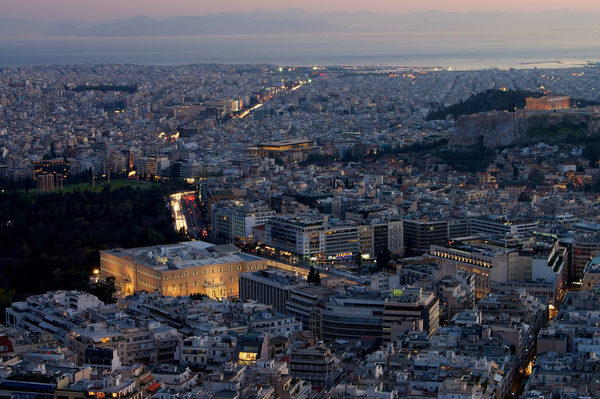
(313, 276)
(383, 258)
(524, 197)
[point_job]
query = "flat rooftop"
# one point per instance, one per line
(286, 142)
(183, 255)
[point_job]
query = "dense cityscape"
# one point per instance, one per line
(295, 232)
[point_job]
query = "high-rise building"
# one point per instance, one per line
(316, 236)
(341, 241)
(352, 315)
(582, 250)
(406, 302)
(234, 219)
(591, 275)
(486, 264)
(316, 365)
(365, 241)
(302, 235)
(271, 286)
(501, 227)
(420, 234)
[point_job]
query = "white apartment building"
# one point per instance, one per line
(303, 235)
(235, 219)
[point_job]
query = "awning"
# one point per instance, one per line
(153, 387)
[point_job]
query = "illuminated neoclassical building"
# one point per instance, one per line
(180, 269)
(547, 103)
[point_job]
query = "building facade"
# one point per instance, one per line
(179, 269)
(234, 220)
(413, 303)
(547, 103)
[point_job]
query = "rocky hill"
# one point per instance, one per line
(496, 129)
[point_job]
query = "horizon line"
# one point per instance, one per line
(224, 13)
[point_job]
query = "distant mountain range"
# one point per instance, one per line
(296, 21)
(436, 20)
(190, 26)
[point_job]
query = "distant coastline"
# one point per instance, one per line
(456, 51)
(541, 62)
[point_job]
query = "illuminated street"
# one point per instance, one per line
(246, 112)
(183, 209)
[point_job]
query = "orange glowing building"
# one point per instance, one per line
(186, 268)
(547, 103)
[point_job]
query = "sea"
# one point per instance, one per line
(522, 49)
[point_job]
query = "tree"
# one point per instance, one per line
(314, 158)
(410, 252)
(524, 197)
(536, 178)
(6, 299)
(358, 259)
(69, 229)
(278, 161)
(105, 291)
(383, 258)
(313, 276)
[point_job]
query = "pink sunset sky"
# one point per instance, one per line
(115, 9)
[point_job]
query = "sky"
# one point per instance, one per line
(95, 10)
